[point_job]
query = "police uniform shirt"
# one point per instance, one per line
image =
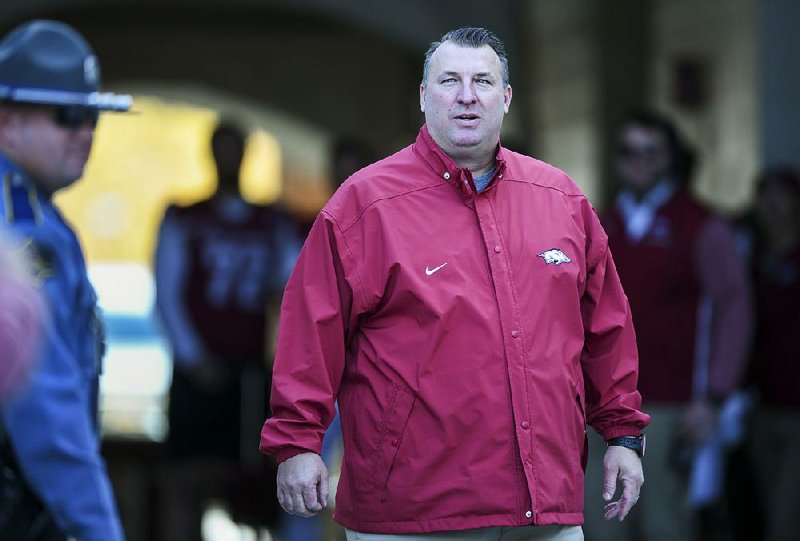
(52, 424)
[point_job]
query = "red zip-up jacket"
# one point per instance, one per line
(468, 338)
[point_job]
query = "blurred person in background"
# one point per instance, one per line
(774, 440)
(690, 301)
(220, 264)
(21, 318)
(460, 302)
(348, 155)
(55, 484)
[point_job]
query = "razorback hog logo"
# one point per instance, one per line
(555, 257)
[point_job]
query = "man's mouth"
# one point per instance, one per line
(467, 116)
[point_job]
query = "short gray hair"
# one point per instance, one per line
(470, 37)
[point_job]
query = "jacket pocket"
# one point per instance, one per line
(390, 435)
(583, 436)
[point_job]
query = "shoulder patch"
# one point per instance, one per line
(19, 200)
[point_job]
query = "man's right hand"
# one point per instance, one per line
(303, 485)
(209, 374)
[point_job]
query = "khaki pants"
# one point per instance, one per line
(524, 533)
(774, 444)
(662, 512)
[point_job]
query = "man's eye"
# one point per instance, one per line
(484, 81)
(449, 80)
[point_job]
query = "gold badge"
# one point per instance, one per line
(41, 261)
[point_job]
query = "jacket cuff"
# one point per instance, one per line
(617, 431)
(288, 452)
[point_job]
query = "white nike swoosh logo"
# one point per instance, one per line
(431, 271)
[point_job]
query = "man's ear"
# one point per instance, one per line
(422, 98)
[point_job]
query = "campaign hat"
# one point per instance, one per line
(49, 62)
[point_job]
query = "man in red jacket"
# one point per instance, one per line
(460, 302)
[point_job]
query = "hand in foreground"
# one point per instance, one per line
(623, 464)
(22, 311)
(303, 485)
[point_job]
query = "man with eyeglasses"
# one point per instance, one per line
(689, 297)
(54, 482)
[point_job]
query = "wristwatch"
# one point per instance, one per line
(636, 443)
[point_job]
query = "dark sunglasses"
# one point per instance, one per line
(646, 152)
(73, 117)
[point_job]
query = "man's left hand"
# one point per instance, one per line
(623, 464)
(698, 422)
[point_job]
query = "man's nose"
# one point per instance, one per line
(466, 93)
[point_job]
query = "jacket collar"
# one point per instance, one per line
(445, 168)
(639, 216)
(18, 194)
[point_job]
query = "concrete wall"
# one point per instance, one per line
(719, 36)
(588, 70)
(564, 78)
(779, 81)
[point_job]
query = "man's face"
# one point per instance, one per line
(54, 156)
(643, 157)
(464, 100)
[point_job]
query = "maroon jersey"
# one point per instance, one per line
(235, 263)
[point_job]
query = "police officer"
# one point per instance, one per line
(54, 482)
